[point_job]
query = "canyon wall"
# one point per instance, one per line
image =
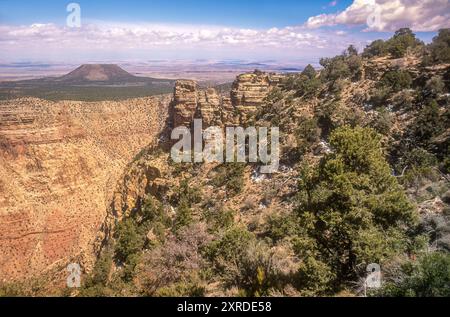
(59, 163)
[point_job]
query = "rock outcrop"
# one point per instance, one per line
(247, 95)
(143, 177)
(250, 90)
(209, 104)
(185, 102)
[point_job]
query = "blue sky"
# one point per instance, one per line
(242, 13)
(282, 30)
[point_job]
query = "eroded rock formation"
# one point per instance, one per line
(185, 102)
(250, 90)
(247, 95)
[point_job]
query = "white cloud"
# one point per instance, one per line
(108, 36)
(389, 15)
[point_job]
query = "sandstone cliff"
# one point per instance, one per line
(59, 163)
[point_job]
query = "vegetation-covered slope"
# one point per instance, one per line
(364, 179)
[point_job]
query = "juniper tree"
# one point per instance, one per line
(352, 210)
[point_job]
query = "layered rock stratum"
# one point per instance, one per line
(59, 162)
(250, 90)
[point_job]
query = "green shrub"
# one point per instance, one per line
(95, 290)
(375, 49)
(397, 46)
(230, 175)
(218, 219)
(131, 234)
(154, 217)
(289, 82)
(434, 86)
(228, 249)
(102, 267)
(128, 240)
(315, 277)
(243, 262)
(275, 95)
(402, 40)
(446, 78)
(182, 289)
(396, 80)
(175, 268)
(324, 114)
(440, 47)
(12, 290)
(307, 133)
(305, 84)
(334, 68)
(419, 158)
(190, 194)
(354, 63)
(379, 96)
(280, 227)
(383, 122)
(351, 51)
(427, 124)
(309, 72)
(445, 166)
(427, 277)
(309, 87)
(418, 165)
(183, 217)
(254, 273)
(404, 99)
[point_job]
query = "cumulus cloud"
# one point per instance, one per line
(389, 15)
(118, 36)
(156, 35)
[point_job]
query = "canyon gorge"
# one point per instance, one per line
(62, 161)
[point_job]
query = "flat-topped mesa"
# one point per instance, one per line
(99, 73)
(248, 94)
